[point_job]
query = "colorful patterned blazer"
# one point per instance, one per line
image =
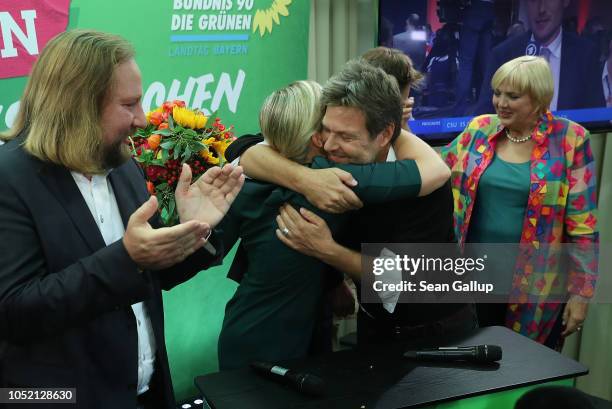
(560, 209)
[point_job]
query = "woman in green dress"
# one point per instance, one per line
(272, 314)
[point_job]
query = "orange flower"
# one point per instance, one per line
(163, 125)
(154, 141)
(156, 118)
(151, 187)
(167, 106)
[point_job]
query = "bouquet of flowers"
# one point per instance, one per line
(175, 135)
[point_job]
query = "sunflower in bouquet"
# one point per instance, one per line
(175, 135)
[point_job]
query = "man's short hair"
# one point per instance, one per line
(527, 75)
(61, 106)
(289, 117)
(369, 89)
(396, 63)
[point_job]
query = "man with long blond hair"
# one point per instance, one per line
(81, 266)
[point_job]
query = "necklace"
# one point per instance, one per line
(519, 139)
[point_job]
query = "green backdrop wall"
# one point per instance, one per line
(229, 71)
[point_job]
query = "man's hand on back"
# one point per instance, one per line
(304, 232)
(329, 190)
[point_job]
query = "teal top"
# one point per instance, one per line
(272, 314)
(501, 200)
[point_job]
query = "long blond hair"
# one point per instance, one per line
(289, 117)
(60, 109)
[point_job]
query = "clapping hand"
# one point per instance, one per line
(157, 249)
(209, 198)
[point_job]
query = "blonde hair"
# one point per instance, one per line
(289, 117)
(60, 109)
(527, 75)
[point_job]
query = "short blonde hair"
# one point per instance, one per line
(527, 75)
(289, 117)
(61, 106)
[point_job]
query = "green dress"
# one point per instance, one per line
(502, 196)
(272, 314)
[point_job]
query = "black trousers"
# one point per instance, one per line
(372, 331)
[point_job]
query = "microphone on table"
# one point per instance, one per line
(303, 382)
(479, 354)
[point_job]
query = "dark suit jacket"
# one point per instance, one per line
(580, 74)
(65, 297)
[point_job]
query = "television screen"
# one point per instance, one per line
(459, 44)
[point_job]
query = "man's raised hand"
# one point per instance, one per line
(209, 198)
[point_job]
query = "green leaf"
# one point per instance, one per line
(169, 144)
(164, 213)
(177, 150)
(146, 155)
(170, 122)
(190, 132)
(171, 206)
(164, 132)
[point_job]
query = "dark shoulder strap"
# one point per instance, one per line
(240, 145)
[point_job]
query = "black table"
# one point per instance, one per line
(382, 378)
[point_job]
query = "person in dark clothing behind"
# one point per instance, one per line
(400, 66)
(346, 138)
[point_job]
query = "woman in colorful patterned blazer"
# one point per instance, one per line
(525, 176)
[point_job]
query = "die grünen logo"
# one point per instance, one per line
(266, 19)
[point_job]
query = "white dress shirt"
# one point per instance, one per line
(554, 60)
(99, 196)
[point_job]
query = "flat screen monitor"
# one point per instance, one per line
(459, 44)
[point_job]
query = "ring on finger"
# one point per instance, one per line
(285, 231)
